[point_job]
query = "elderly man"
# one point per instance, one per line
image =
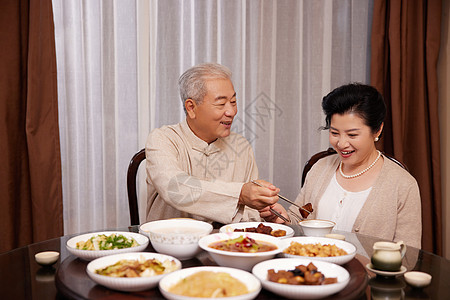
(199, 168)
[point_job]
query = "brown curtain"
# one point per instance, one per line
(405, 49)
(30, 172)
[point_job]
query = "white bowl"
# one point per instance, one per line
(302, 291)
(418, 279)
(176, 237)
(46, 258)
(243, 225)
(252, 283)
(316, 227)
(71, 245)
(123, 283)
(340, 260)
(239, 260)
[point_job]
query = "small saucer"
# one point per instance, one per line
(417, 279)
(386, 273)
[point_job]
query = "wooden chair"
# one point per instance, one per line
(131, 186)
(331, 151)
(314, 159)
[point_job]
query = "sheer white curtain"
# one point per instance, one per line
(118, 65)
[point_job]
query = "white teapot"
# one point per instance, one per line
(387, 256)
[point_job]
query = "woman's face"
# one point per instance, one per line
(352, 138)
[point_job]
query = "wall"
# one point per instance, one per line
(444, 117)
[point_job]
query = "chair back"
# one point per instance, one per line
(314, 159)
(132, 186)
(331, 151)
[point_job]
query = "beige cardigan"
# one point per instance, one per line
(392, 210)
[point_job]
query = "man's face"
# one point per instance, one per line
(212, 118)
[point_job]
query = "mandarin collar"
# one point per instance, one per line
(198, 144)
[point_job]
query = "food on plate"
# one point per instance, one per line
(263, 229)
(243, 244)
(307, 209)
(138, 268)
(301, 275)
(314, 250)
(104, 242)
(208, 284)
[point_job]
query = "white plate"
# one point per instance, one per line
(340, 260)
(275, 226)
(127, 284)
(71, 244)
(252, 283)
(386, 273)
(301, 291)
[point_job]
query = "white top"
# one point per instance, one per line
(341, 206)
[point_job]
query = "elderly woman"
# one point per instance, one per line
(359, 188)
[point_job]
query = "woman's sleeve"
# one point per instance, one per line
(409, 216)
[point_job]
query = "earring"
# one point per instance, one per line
(376, 139)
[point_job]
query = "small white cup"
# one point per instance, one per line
(46, 258)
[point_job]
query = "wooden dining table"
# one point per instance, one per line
(22, 278)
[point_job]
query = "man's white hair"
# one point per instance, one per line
(192, 82)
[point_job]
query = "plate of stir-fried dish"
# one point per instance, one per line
(90, 246)
(131, 272)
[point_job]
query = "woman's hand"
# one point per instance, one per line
(268, 216)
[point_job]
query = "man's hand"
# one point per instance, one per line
(268, 216)
(258, 197)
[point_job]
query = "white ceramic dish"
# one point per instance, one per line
(386, 273)
(71, 245)
(417, 279)
(243, 225)
(46, 258)
(340, 260)
(252, 283)
(239, 260)
(301, 291)
(316, 227)
(127, 284)
(176, 237)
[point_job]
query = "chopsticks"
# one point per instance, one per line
(279, 215)
(284, 198)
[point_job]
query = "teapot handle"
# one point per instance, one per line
(402, 248)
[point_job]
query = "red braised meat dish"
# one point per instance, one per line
(243, 244)
(263, 229)
(301, 275)
(307, 209)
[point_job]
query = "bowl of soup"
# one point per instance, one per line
(176, 237)
(241, 250)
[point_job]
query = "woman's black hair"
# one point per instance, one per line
(363, 100)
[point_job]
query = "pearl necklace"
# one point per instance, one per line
(362, 172)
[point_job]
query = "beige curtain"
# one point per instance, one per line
(118, 65)
(30, 176)
(405, 49)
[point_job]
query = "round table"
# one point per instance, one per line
(22, 278)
